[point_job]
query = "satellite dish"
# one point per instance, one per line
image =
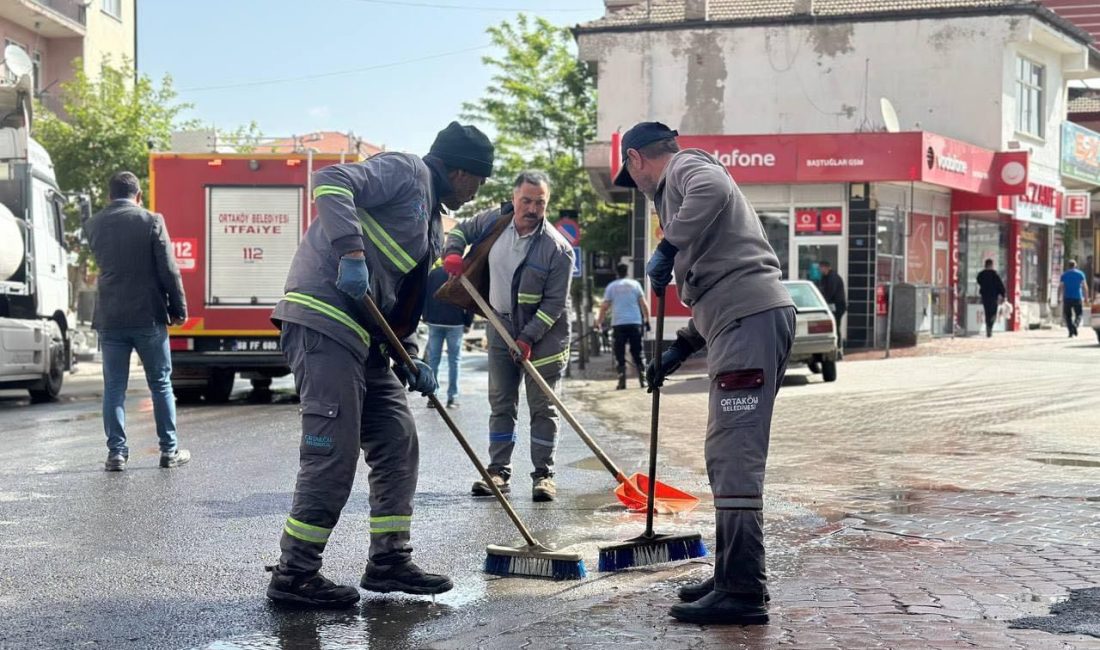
(17, 61)
(889, 116)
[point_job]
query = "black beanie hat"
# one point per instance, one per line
(465, 148)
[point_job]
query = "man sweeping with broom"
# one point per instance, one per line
(729, 276)
(377, 232)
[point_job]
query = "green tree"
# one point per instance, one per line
(541, 103)
(108, 124)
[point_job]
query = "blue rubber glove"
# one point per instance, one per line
(424, 382)
(353, 277)
(659, 267)
(671, 360)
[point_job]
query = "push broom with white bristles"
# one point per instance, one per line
(534, 559)
(651, 548)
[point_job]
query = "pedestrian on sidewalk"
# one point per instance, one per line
(992, 291)
(836, 296)
(530, 266)
(625, 298)
(138, 294)
(728, 274)
(447, 323)
(378, 230)
(1073, 288)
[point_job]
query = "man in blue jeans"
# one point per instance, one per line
(140, 293)
(446, 323)
(1074, 293)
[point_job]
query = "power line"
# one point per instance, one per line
(435, 5)
(335, 73)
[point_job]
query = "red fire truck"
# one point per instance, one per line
(235, 222)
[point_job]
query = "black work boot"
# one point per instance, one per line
(406, 577)
(309, 590)
(116, 462)
(696, 590)
(720, 608)
(622, 381)
(641, 378)
(175, 458)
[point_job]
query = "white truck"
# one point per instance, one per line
(35, 333)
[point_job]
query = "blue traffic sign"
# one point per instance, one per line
(570, 229)
(578, 262)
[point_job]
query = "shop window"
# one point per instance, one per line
(777, 228)
(983, 240)
(889, 248)
(1033, 260)
(1030, 78)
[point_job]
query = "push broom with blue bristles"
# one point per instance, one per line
(534, 559)
(651, 548)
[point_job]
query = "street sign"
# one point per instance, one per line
(578, 262)
(1077, 205)
(570, 229)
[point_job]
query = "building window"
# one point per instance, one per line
(113, 7)
(37, 67)
(1030, 77)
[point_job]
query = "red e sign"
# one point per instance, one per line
(1077, 205)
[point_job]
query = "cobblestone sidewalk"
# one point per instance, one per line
(920, 502)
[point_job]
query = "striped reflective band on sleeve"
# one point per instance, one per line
(330, 311)
(457, 232)
(738, 503)
(380, 238)
(557, 358)
(390, 524)
(323, 190)
(544, 317)
(306, 532)
(529, 298)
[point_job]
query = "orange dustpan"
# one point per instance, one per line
(667, 500)
(631, 491)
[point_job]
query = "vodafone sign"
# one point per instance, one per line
(861, 158)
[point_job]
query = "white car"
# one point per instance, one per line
(815, 341)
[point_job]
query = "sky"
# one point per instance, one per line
(219, 51)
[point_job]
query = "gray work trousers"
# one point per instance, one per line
(747, 360)
(505, 376)
(348, 405)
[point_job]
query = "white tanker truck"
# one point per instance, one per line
(35, 332)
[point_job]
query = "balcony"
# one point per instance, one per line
(49, 18)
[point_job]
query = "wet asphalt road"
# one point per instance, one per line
(154, 558)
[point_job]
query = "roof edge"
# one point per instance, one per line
(1022, 8)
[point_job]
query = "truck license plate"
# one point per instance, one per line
(252, 345)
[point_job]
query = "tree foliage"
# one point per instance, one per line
(108, 125)
(542, 104)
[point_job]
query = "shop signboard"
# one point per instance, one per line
(1039, 205)
(1080, 153)
(1078, 205)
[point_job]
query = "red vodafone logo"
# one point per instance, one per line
(832, 220)
(805, 220)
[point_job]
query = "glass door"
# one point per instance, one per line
(810, 255)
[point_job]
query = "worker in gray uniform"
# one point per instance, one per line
(530, 267)
(378, 231)
(728, 274)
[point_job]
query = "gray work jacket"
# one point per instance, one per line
(388, 206)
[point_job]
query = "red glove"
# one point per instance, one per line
(524, 353)
(452, 264)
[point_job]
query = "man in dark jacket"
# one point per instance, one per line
(992, 291)
(832, 288)
(446, 323)
(139, 294)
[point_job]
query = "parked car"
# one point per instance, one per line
(815, 340)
